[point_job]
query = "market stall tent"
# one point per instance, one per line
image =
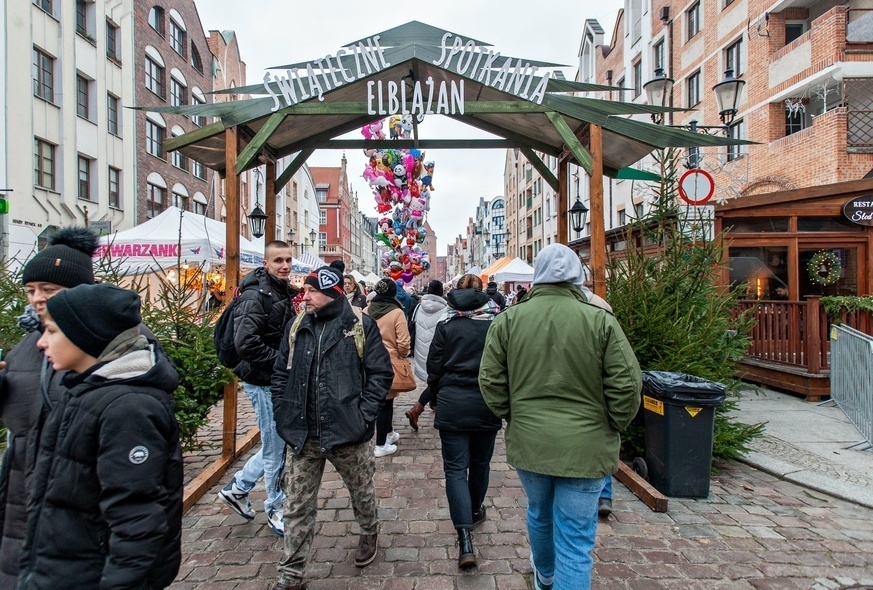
(517, 271)
(497, 265)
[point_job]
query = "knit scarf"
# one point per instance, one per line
(486, 312)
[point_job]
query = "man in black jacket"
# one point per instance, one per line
(495, 295)
(331, 377)
(259, 322)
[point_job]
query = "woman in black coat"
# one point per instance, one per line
(353, 292)
(466, 425)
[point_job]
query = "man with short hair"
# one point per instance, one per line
(564, 407)
(331, 377)
(259, 321)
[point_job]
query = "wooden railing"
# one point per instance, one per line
(796, 333)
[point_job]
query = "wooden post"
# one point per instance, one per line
(231, 277)
(595, 214)
(563, 205)
(812, 323)
(270, 207)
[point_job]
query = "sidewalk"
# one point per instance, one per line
(805, 443)
(755, 531)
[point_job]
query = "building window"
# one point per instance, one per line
(154, 77)
(636, 20)
(198, 120)
(658, 55)
(638, 210)
(737, 130)
(180, 161)
(84, 191)
(178, 96)
(112, 114)
(82, 108)
(733, 58)
(196, 62)
(154, 200)
(81, 17)
(795, 120)
(321, 194)
(619, 83)
(44, 5)
(43, 164)
(199, 208)
(198, 170)
(638, 78)
(692, 20)
(794, 31)
(114, 188)
(154, 139)
(622, 218)
(180, 201)
(43, 75)
(156, 19)
(694, 89)
(178, 39)
(322, 239)
(112, 42)
(322, 216)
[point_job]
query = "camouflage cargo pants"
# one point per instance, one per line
(356, 465)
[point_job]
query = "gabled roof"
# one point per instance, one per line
(518, 100)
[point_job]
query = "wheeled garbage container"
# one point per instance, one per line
(679, 414)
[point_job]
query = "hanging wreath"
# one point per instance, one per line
(824, 268)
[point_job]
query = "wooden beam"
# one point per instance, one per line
(251, 151)
(641, 488)
(598, 229)
(200, 485)
(211, 130)
(231, 276)
(424, 144)
(541, 167)
(563, 201)
(507, 134)
(583, 158)
(293, 167)
(270, 205)
(314, 139)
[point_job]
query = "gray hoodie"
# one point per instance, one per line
(427, 315)
(556, 263)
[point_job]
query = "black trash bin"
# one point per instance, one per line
(680, 415)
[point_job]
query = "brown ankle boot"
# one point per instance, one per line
(413, 415)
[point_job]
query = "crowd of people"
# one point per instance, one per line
(91, 484)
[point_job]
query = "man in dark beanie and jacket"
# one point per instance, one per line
(330, 379)
(29, 386)
(106, 506)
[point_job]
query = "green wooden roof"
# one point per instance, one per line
(411, 52)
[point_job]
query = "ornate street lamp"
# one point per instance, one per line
(658, 92)
(727, 94)
(257, 220)
(577, 215)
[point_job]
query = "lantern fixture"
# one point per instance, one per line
(257, 221)
(727, 95)
(659, 90)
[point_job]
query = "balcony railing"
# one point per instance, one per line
(329, 249)
(859, 25)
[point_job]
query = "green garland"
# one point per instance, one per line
(828, 260)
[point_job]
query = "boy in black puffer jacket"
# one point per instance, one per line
(106, 503)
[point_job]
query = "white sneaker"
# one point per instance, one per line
(392, 438)
(386, 449)
(238, 500)
(274, 519)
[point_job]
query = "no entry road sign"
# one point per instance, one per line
(696, 186)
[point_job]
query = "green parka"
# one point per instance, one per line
(562, 374)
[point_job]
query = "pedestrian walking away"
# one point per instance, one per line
(568, 404)
(29, 385)
(106, 503)
(495, 295)
(331, 376)
(467, 427)
(260, 318)
(430, 311)
(391, 320)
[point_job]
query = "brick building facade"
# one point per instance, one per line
(335, 210)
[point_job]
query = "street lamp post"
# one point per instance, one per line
(257, 217)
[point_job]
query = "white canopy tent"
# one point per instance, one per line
(358, 276)
(371, 279)
(302, 265)
(174, 237)
(517, 271)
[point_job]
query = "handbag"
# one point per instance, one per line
(404, 380)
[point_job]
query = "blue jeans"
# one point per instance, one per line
(607, 488)
(562, 524)
(467, 465)
(267, 462)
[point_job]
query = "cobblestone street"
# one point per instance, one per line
(753, 532)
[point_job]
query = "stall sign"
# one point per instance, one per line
(859, 210)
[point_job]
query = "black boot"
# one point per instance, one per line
(466, 558)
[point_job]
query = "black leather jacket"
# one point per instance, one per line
(348, 390)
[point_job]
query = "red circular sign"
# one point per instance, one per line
(696, 186)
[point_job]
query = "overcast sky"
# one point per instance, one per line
(276, 32)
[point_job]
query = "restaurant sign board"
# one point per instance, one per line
(859, 210)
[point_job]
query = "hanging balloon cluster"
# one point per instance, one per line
(401, 182)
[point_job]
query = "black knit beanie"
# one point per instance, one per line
(339, 265)
(435, 287)
(386, 287)
(66, 261)
(92, 316)
(328, 280)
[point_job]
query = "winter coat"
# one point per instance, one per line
(428, 314)
(496, 296)
(259, 321)
(574, 382)
(23, 413)
(395, 336)
(349, 390)
(106, 504)
(453, 367)
(357, 298)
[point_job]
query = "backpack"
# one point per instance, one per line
(223, 335)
